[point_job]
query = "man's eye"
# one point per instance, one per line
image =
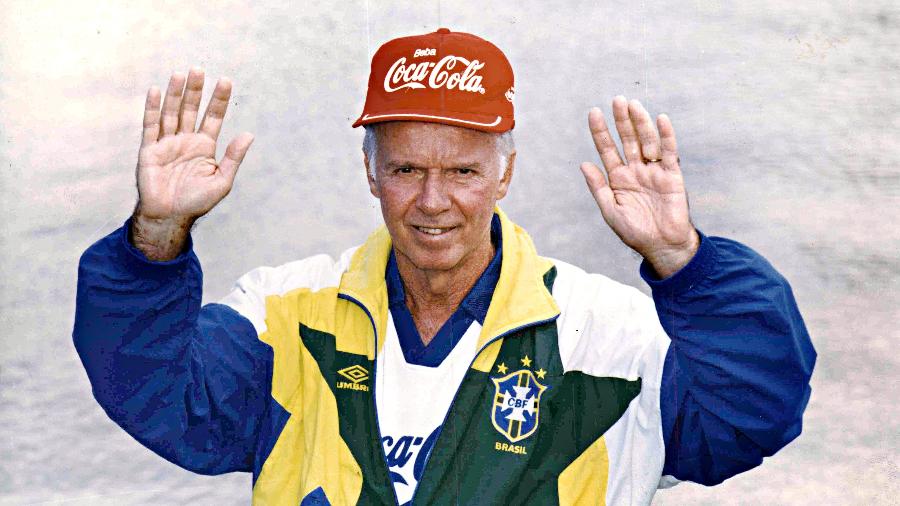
(404, 170)
(465, 171)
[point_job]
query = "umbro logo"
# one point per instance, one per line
(356, 374)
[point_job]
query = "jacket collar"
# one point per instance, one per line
(520, 297)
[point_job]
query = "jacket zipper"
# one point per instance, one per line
(374, 388)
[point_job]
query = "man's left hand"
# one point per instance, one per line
(644, 202)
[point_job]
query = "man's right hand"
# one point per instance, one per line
(178, 178)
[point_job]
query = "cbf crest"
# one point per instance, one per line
(517, 403)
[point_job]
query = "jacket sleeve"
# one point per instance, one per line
(735, 379)
(190, 383)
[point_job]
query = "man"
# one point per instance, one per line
(443, 361)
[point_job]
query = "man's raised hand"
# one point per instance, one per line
(644, 201)
(178, 178)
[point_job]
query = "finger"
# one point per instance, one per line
(606, 146)
(190, 104)
(667, 140)
(234, 155)
(151, 116)
(215, 111)
(172, 103)
(601, 191)
(627, 133)
(649, 139)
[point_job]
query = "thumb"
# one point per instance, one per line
(234, 155)
(601, 191)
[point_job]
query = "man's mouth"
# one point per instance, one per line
(434, 231)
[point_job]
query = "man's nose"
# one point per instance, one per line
(434, 197)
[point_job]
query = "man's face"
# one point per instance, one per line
(438, 185)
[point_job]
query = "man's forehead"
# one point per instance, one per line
(417, 138)
(421, 144)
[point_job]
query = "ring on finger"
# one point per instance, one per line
(655, 160)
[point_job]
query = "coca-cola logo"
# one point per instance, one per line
(447, 72)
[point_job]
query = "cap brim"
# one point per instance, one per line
(482, 122)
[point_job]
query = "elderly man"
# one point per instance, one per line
(443, 361)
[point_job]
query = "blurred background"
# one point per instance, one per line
(786, 112)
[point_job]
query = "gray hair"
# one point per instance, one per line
(503, 146)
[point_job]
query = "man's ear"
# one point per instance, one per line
(373, 186)
(507, 175)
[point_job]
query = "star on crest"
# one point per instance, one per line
(541, 373)
(526, 361)
(501, 368)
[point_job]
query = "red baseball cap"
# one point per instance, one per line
(445, 77)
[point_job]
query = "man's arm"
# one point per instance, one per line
(189, 383)
(736, 376)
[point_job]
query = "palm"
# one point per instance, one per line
(650, 205)
(177, 174)
(644, 201)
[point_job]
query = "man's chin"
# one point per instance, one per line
(436, 261)
(435, 264)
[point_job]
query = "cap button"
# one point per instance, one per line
(443, 30)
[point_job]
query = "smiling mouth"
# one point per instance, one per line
(434, 231)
